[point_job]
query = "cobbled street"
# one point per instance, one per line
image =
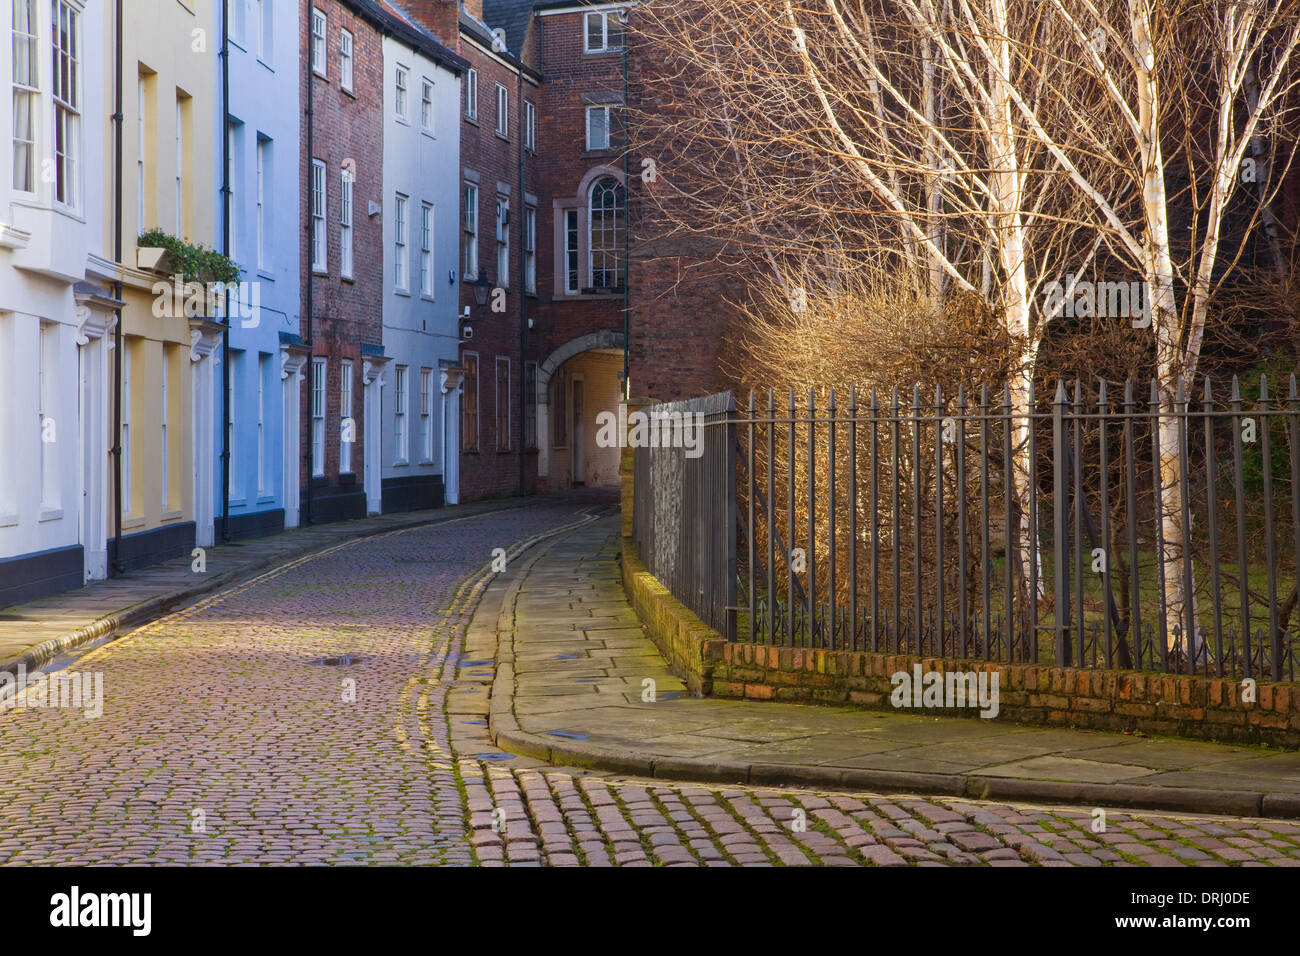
(299, 719)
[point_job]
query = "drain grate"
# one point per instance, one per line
(342, 660)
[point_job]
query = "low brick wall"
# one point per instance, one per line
(691, 648)
(1179, 705)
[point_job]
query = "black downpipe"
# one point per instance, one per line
(627, 223)
(305, 515)
(118, 119)
(225, 250)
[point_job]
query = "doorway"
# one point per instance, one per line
(579, 451)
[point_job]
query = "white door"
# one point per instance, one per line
(451, 445)
(292, 444)
(205, 429)
(94, 459)
(372, 410)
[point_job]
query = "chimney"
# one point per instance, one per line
(439, 17)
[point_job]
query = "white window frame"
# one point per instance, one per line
(47, 396)
(604, 32)
(471, 94)
(164, 452)
(427, 114)
(141, 147)
(617, 252)
(127, 348)
(67, 106)
(263, 366)
(530, 126)
(319, 205)
(503, 242)
(399, 93)
(345, 224)
(471, 232)
(401, 442)
(318, 377)
(345, 414)
(263, 146)
(530, 248)
(347, 48)
(604, 109)
(503, 112)
(264, 27)
(426, 250)
(319, 32)
(233, 138)
(426, 414)
(571, 234)
(180, 168)
(232, 445)
(401, 260)
(29, 89)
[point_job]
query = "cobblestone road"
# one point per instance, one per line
(299, 719)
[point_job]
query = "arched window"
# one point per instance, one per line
(607, 224)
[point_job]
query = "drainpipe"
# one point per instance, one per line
(523, 292)
(117, 293)
(225, 249)
(305, 517)
(627, 225)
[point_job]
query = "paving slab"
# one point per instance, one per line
(771, 742)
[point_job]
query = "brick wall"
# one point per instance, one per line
(345, 313)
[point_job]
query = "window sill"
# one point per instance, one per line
(131, 524)
(402, 121)
(266, 64)
(349, 90)
(10, 519)
(320, 272)
(473, 120)
(501, 135)
(404, 293)
(51, 514)
(266, 499)
(429, 133)
(401, 463)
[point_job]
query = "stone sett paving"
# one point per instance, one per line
(224, 740)
(562, 818)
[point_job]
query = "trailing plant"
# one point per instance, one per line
(195, 261)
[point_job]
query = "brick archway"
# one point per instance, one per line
(602, 339)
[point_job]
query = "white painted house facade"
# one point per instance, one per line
(57, 314)
(416, 397)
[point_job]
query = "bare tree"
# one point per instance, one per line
(995, 147)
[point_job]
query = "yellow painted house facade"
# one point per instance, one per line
(166, 359)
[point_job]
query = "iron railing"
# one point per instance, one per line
(849, 521)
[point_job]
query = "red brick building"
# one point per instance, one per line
(548, 191)
(342, 251)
